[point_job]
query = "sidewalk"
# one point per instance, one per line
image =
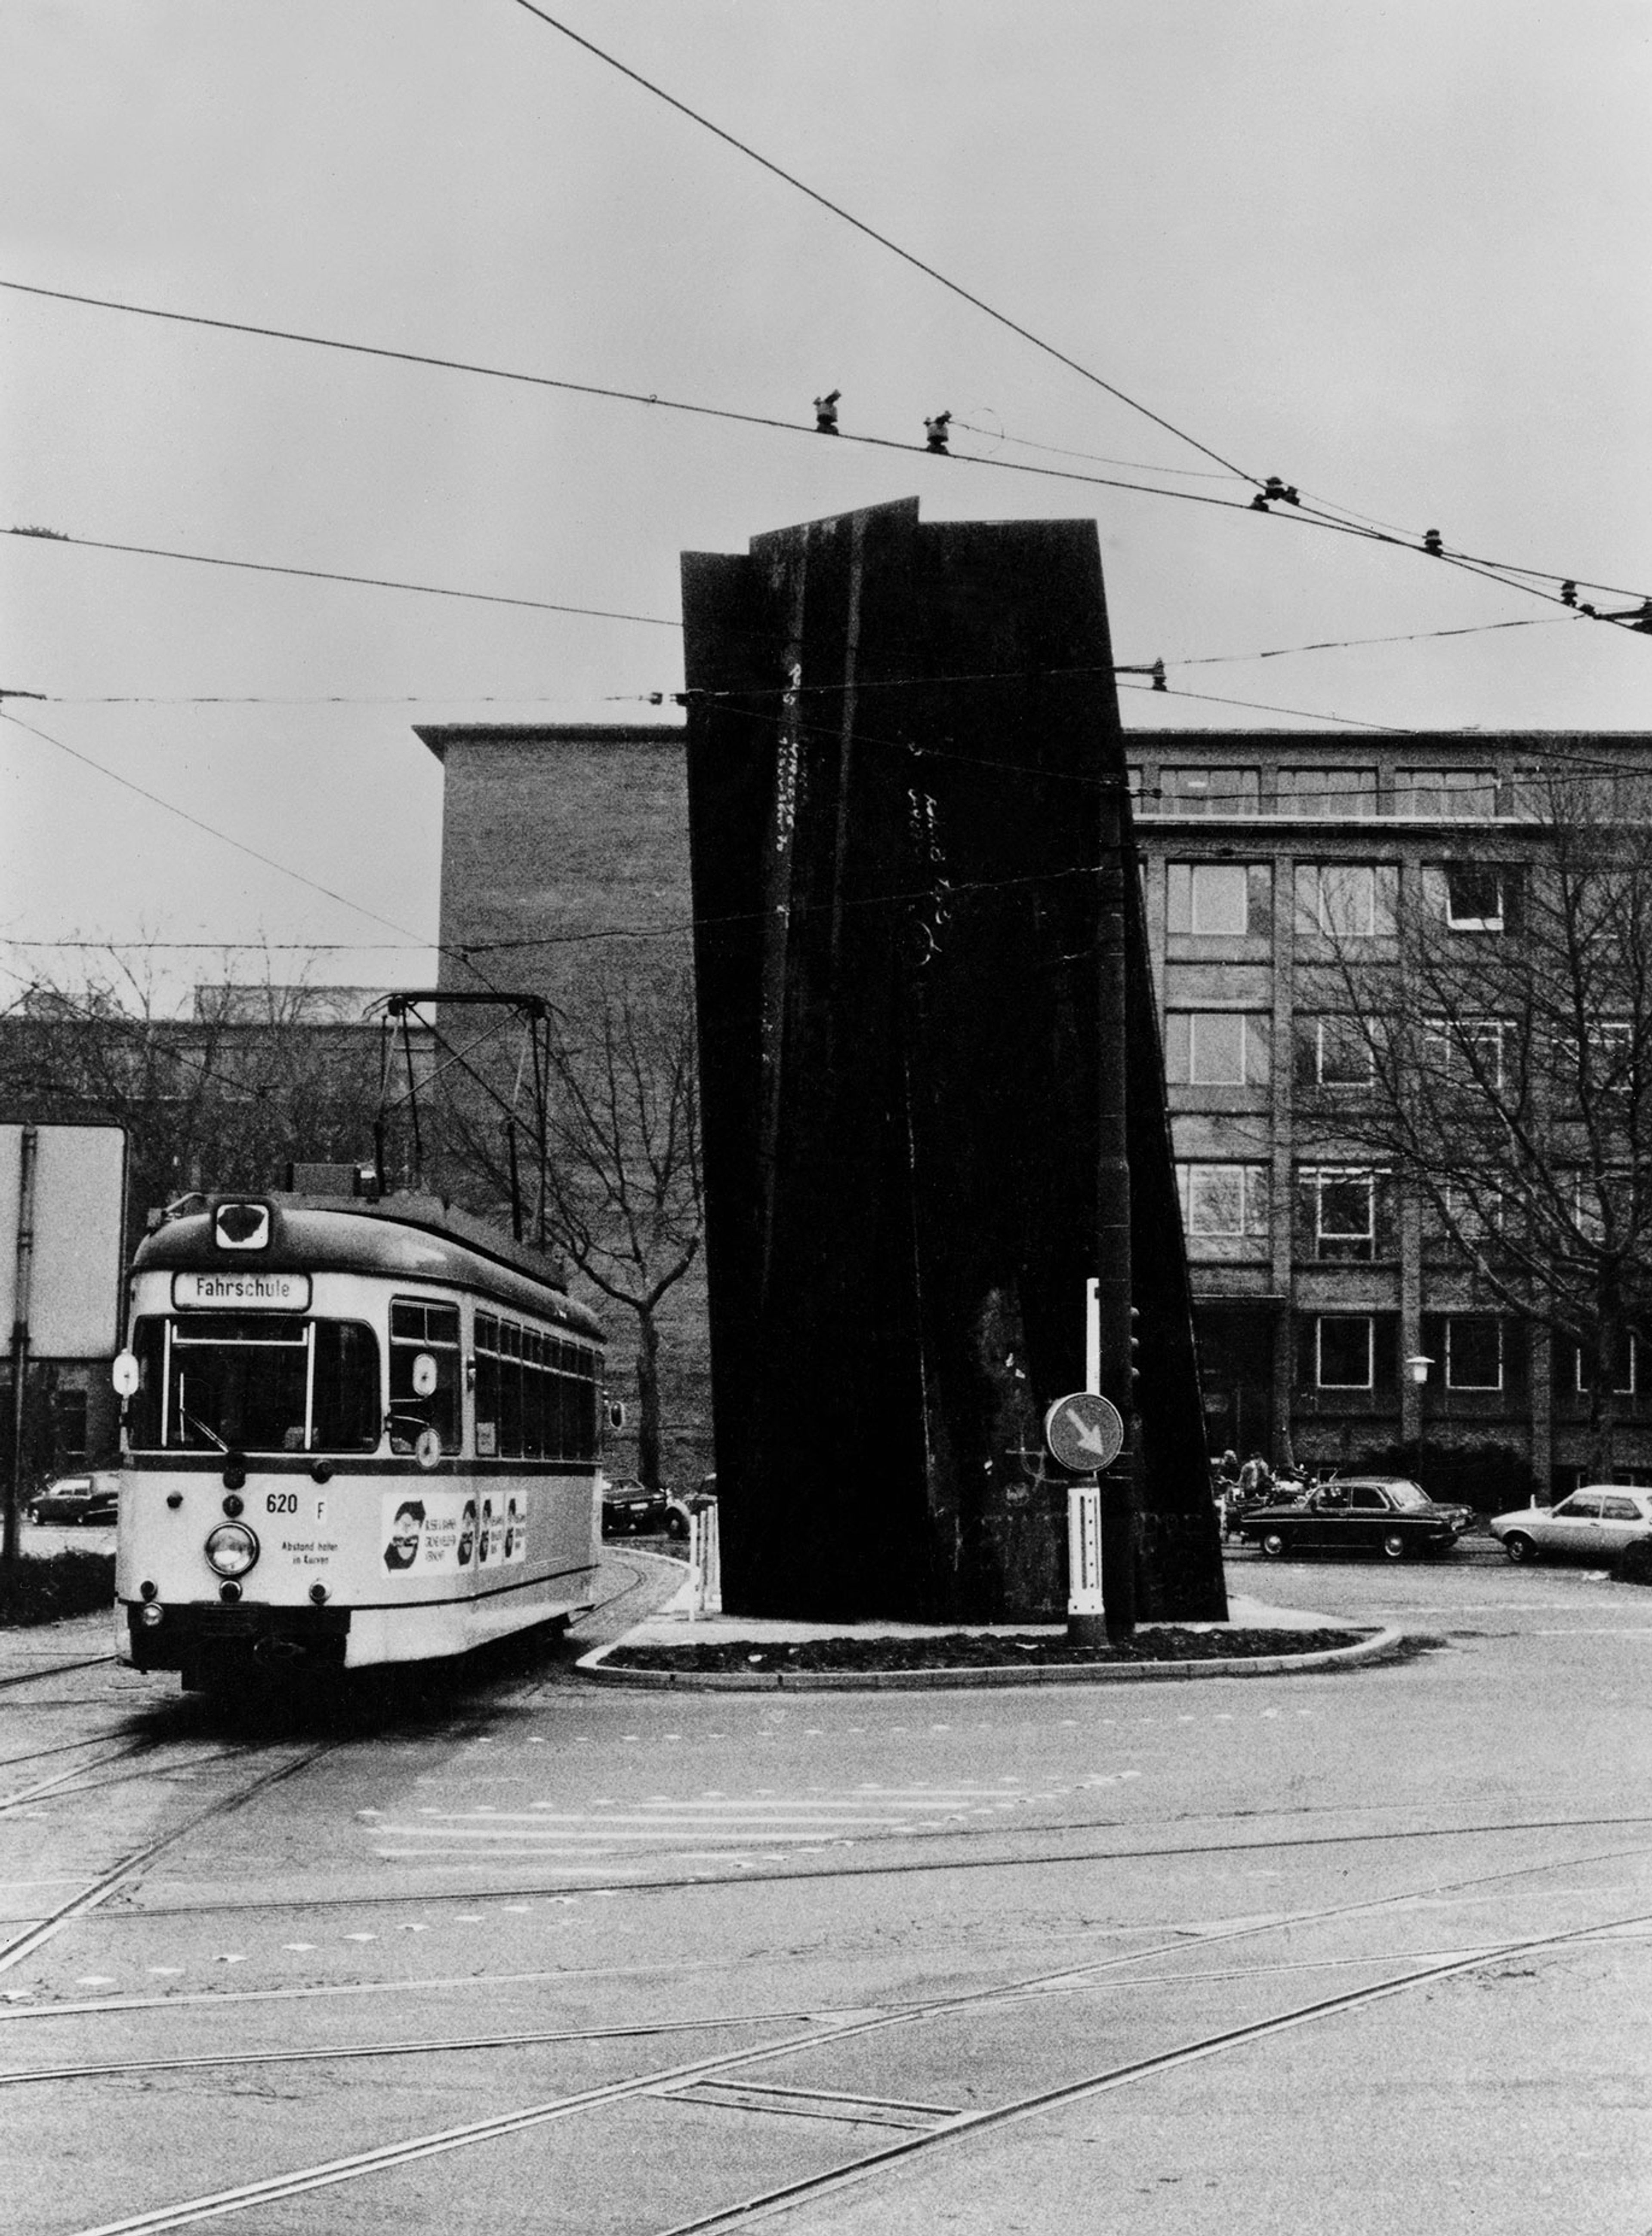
(676, 1627)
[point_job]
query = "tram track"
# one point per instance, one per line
(1079, 1975)
(99, 1890)
(952, 2126)
(47, 1671)
(1041, 1857)
(711, 2023)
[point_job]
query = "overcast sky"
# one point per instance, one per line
(1397, 254)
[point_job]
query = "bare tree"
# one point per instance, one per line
(1483, 1034)
(623, 1196)
(260, 1074)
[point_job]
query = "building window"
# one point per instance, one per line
(1445, 792)
(1344, 1213)
(1221, 900)
(69, 1408)
(1466, 1052)
(1465, 1216)
(1216, 1048)
(1343, 1351)
(1346, 900)
(1321, 792)
(1225, 1201)
(1625, 1378)
(1207, 791)
(1473, 1351)
(1335, 1052)
(1469, 895)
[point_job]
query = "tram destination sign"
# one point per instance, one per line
(241, 1292)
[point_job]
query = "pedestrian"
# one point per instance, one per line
(1256, 1477)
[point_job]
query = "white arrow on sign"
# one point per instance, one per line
(1084, 1431)
(1087, 1435)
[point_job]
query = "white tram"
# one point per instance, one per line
(355, 1432)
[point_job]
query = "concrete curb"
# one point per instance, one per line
(1380, 1648)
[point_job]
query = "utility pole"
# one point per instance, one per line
(1121, 1495)
(29, 1153)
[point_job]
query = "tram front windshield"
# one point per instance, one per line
(255, 1382)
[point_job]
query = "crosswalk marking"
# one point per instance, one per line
(707, 1826)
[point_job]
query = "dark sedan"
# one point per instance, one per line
(1357, 1514)
(630, 1510)
(76, 1498)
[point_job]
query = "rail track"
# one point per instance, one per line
(1318, 1964)
(929, 2129)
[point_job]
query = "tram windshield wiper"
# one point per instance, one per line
(190, 1422)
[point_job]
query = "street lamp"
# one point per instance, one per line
(1417, 1366)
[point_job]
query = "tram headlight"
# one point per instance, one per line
(231, 1548)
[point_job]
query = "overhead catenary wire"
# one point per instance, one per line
(171, 807)
(330, 575)
(241, 846)
(882, 240)
(1260, 482)
(657, 697)
(1526, 579)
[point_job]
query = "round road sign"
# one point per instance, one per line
(1084, 1432)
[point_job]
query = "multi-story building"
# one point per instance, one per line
(1333, 1324)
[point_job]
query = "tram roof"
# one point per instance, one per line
(418, 1237)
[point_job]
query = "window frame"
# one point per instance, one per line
(1313, 1183)
(1222, 797)
(1411, 784)
(1298, 801)
(1182, 882)
(1319, 903)
(1451, 1333)
(1182, 1047)
(1312, 1026)
(1253, 1174)
(1349, 1319)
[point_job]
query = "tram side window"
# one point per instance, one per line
(346, 1409)
(416, 1327)
(536, 1394)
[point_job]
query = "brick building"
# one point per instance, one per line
(565, 859)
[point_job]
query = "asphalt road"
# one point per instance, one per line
(1347, 1953)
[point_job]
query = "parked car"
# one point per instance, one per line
(631, 1509)
(690, 1504)
(1594, 1524)
(77, 1498)
(1383, 1514)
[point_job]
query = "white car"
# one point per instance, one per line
(1594, 1524)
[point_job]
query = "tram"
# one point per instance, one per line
(354, 1432)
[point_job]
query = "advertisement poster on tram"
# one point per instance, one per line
(429, 1533)
(502, 1538)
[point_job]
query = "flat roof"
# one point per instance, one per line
(438, 736)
